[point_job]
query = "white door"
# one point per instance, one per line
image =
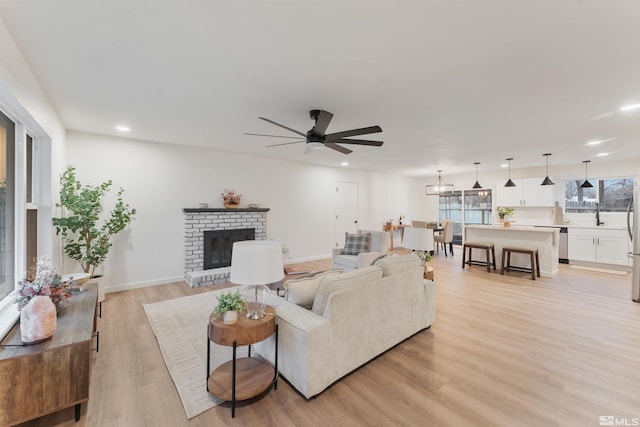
(346, 210)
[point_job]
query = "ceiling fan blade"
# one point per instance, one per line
(272, 136)
(336, 147)
(323, 118)
(283, 126)
(353, 132)
(359, 142)
(286, 143)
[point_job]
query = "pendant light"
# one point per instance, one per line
(439, 187)
(586, 183)
(477, 184)
(547, 180)
(509, 183)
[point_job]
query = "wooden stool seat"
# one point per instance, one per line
(532, 252)
(487, 247)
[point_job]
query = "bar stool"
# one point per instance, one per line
(532, 252)
(489, 250)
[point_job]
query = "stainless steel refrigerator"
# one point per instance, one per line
(634, 235)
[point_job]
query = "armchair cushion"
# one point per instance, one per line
(356, 243)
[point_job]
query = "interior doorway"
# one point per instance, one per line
(346, 210)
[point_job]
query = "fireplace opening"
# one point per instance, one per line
(219, 243)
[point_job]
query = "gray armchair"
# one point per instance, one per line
(378, 245)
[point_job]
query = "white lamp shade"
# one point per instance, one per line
(418, 239)
(256, 262)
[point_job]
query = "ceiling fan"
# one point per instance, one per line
(316, 137)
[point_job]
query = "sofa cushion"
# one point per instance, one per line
(356, 243)
(337, 282)
(396, 264)
(378, 259)
(303, 291)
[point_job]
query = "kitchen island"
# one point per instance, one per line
(544, 239)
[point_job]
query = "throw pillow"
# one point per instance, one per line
(356, 243)
(303, 291)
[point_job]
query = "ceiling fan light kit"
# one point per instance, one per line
(439, 188)
(316, 138)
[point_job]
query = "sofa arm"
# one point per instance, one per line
(336, 251)
(304, 349)
(366, 258)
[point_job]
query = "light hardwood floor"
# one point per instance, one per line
(503, 351)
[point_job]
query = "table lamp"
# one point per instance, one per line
(419, 240)
(255, 263)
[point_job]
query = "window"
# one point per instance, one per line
(451, 208)
(7, 143)
(613, 195)
(477, 207)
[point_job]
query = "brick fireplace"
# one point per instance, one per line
(199, 221)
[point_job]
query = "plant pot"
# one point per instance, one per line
(38, 320)
(230, 317)
(99, 281)
(231, 205)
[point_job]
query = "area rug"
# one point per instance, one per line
(180, 326)
(600, 270)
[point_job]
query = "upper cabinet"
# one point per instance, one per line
(527, 192)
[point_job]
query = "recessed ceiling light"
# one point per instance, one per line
(345, 163)
(602, 154)
(123, 128)
(630, 107)
(504, 165)
(599, 141)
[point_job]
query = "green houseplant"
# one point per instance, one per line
(229, 305)
(84, 239)
(502, 212)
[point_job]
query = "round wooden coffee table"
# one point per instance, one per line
(245, 377)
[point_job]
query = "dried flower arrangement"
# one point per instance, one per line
(42, 280)
(231, 197)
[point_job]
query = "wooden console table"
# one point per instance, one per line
(44, 378)
(245, 377)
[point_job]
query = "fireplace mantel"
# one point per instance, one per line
(197, 210)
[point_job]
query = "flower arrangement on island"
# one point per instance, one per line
(42, 280)
(231, 197)
(502, 212)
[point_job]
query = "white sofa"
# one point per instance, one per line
(378, 246)
(355, 316)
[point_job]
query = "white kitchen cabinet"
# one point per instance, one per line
(527, 192)
(598, 245)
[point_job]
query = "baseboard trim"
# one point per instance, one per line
(145, 284)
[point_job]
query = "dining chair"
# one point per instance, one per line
(446, 236)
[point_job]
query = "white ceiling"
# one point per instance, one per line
(450, 82)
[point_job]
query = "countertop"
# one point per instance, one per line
(536, 229)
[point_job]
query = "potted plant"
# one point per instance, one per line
(229, 305)
(230, 198)
(84, 239)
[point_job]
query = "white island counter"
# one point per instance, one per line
(544, 239)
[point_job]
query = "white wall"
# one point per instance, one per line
(161, 179)
(22, 99)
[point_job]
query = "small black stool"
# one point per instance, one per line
(489, 250)
(532, 252)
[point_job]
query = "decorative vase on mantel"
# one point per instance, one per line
(38, 320)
